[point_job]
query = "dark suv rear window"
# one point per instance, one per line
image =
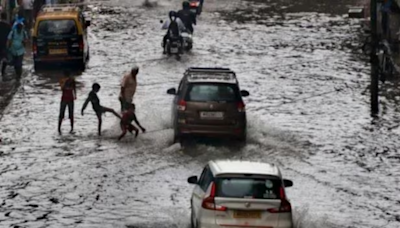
(57, 27)
(202, 92)
(253, 188)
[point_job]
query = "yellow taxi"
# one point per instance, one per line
(60, 36)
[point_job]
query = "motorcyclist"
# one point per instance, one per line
(174, 30)
(187, 17)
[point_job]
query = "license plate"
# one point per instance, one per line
(194, 10)
(211, 115)
(247, 214)
(58, 51)
(174, 50)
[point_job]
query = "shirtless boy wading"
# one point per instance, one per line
(128, 88)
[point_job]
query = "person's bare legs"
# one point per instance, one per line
(100, 121)
(105, 109)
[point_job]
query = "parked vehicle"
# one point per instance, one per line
(60, 36)
(240, 194)
(196, 6)
(208, 102)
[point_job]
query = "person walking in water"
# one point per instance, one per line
(68, 87)
(128, 88)
(97, 108)
(126, 124)
(17, 40)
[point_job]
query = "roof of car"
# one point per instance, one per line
(57, 15)
(243, 167)
(212, 75)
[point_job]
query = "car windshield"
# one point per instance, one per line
(212, 92)
(57, 27)
(253, 188)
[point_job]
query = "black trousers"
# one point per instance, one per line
(63, 106)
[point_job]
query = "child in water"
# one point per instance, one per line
(98, 109)
(126, 120)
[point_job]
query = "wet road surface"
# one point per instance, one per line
(308, 112)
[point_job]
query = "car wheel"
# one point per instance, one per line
(38, 66)
(243, 137)
(192, 222)
(82, 66)
(177, 138)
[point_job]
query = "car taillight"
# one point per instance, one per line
(209, 202)
(182, 105)
(241, 107)
(285, 205)
(81, 45)
(34, 48)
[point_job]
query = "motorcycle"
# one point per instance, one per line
(173, 47)
(196, 6)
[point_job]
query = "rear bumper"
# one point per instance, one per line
(54, 59)
(233, 226)
(235, 131)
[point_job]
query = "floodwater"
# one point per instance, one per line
(308, 112)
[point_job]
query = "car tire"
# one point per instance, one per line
(243, 137)
(177, 138)
(82, 66)
(192, 223)
(37, 66)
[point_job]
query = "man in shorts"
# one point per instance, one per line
(68, 87)
(128, 88)
(97, 108)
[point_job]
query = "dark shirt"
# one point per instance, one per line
(68, 87)
(173, 30)
(187, 17)
(5, 29)
(94, 99)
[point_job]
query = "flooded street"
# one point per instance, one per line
(308, 111)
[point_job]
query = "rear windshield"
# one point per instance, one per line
(248, 188)
(212, 92)
(57, 27)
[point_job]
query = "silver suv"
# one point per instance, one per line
(240, 194)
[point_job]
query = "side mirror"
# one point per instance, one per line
(192, 180)
(171, 91)
(287, 183)
(245, 93)
(87, 23)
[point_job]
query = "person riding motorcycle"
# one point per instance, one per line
(174, 30)
(187, 17)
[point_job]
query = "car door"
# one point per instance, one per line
(200, 190)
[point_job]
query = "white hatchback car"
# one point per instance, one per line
(239, 194)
